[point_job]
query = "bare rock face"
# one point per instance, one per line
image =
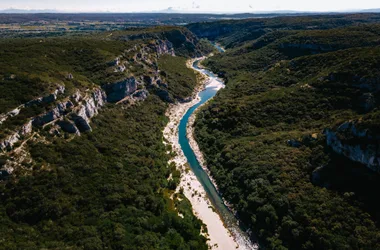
(39, 101)
(47, 99)
(8, 143)
(120, 68)
(76, 97)
(60, 110)
(68, 126)
(140, 95)
(116, 62)
(119, 90)
(11, 140)
(16, 111)
(164, 47)
(356, 144)
(81, 113)
(99, 97)
(27, 128)
(88, 109)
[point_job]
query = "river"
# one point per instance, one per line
(226, 215)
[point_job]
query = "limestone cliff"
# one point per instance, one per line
(39, 101)
(79, 113)
(119, 90)
(131, 75)
(359, 145)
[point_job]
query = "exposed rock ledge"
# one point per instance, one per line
(358, 145)
(41, 100)
(11, 140)
(73, 114)
(79, 117)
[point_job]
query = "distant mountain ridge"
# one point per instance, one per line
(179, 11)
(24, 11)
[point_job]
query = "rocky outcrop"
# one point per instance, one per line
(88, 109)
(26, 129)
(166, 42)
(8, 143)
(16, 111)
(119, 90)
(14, 138)
(359, 145)
(68, 126)
(39, 101)
(47, 99)
(120, 68)
(140, 95)
(60, 110)
(164, 47)
(81, 112)
(78, 109)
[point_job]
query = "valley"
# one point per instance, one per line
(171, 131)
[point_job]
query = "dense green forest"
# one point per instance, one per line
(264, 135)
(105, 189)
(109, 188)
(291, 82)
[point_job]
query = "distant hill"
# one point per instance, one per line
(371, 10)
(172, 10)
(21, 11)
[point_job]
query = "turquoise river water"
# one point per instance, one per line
(226, 215)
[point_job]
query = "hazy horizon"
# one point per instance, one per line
(190, 6)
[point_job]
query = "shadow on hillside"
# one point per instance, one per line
(359, 184)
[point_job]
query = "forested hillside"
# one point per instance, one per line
(83, 164)
(292, 141)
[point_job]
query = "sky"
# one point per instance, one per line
(190, 5)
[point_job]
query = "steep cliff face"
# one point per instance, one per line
(88, 109)
(163, 47)
(133, 87)
(53, 114)
(11, 140)
(39, 101)
(15, 137)
(119, 90)
(81, 113)
(131, 74)
(47, 99)
(77, 111)
(73, 114)
(180, 40)
(358, 145)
